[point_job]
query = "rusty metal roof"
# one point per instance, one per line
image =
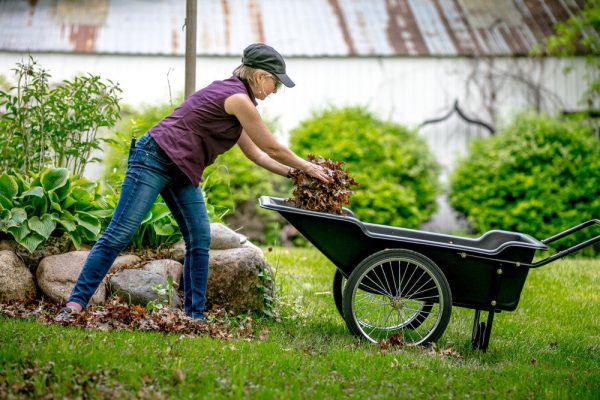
(312, 28)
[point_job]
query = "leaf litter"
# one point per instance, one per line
(397, 341)
(312, 194)
(116, 315)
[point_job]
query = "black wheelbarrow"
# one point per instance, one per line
(396, 283)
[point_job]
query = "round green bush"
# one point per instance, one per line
(396, 172)
(539, 176)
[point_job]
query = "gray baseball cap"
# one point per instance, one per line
(261, 56)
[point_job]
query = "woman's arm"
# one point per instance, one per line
(245, 111)
(259, 157)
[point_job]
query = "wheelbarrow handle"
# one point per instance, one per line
(572, 249)
(551, 239)
(571, 230)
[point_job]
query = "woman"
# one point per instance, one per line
(169, 160)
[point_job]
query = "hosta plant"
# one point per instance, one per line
(51, 202)
(158, 228)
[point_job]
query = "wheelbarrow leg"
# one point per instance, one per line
(484, 332)
(488, 330)
(480, 338)
(475, 336)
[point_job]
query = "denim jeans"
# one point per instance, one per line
(150, 172)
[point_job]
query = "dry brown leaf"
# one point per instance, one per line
(312, 194)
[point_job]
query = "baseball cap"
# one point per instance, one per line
(261, 56)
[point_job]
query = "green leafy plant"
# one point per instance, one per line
(79, 108)
(24, 120)
(540, 176)
(158, 228)
(51, 202)
(165, 295)
(40, 126)
(395, 169)
(266, 289)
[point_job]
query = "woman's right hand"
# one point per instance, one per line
(316, 171)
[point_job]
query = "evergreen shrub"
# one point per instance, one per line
(393, 166)
(539, 176)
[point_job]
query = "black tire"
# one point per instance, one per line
(397, 293)
(338, 290)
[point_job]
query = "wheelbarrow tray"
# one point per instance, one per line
(346, 241)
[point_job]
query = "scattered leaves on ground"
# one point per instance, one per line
(117, 315)
(397, 341)
(312, 194)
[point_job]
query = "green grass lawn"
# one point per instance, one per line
(548, 348)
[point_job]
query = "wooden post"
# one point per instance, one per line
(191, 14)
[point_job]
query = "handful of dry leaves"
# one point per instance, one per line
(312, 194)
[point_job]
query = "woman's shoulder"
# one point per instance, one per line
(232, 84)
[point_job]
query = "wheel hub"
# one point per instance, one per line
(397, 303)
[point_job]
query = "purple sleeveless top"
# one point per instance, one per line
(199, 130)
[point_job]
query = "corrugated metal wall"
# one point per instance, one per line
(296, 27)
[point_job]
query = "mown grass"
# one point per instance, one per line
(547, 348)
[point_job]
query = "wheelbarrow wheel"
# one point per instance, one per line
(338, 289)
(397, 295)
(421, 316)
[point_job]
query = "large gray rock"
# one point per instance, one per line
(166, 268)
(124, 261)
(137, 286)
(56, 276)
(234, 276)
(178, 251)
(16, 281)
(51, 247)
(221, 237)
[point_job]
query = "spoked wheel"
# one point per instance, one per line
(400, 294)
(338, 289)
(420, 316)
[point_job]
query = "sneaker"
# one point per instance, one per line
(66, 314)
(200, 321)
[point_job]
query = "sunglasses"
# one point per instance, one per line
(277, 82)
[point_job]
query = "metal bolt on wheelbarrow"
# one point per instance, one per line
(402, 283)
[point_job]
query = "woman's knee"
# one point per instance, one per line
(116, 238)
(197, 239)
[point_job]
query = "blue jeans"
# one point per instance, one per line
(150, 172)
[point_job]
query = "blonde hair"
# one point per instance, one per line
(247, 74)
